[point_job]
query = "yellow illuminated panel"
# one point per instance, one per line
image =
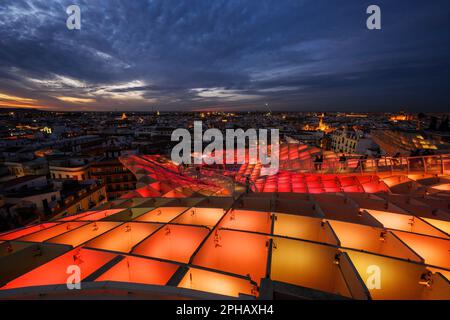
(398, 279)
(164, 214)
(440, 224)
(404, 223)
(304, 264)
(299, 227)
(200, 216)
(217, 283)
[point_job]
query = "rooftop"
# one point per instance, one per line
(188, 237)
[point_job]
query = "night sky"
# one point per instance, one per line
(225, 55)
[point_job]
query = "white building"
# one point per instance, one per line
(351, 141)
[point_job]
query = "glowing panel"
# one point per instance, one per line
(124, 237)
(46, 234)
(405, 223)
(236, 252)
(84, 233)
(162, 214)
(299, 227)
(388, 278)
(25, 231)
(55, 271)
(304, 264)
(217, 283)
(248, 220)
(372, 239)
(140, 270)
(440, 224)
(200, 216)
(435, 251)
(173, 242)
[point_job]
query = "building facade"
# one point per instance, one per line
(117, 178)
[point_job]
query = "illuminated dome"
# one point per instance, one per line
(302, 235)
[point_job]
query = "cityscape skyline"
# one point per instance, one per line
(224, 56)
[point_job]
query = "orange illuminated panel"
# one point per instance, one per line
(162, 214)
(440, 224)
(200, 216)
(172, 242)
(55, 271)
(257, 221)
(435, 251)
(304, 264)
(124, 237)
(84, 233)
(301, 228)
(372, 239)
(46, 234)
(405, 223)
(445, 273)
(217, 283)
(25, 231)
(99, 215)
(442, 187)
(398, 279)
(140, 270)
(236, 252)
(77, 216)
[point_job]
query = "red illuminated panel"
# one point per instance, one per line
(55, 271)
(99, 215)
(256, 221)
(435, 251)
(163, 214)
(140, 270)
(173, 242)
(25, 231)
(217, 283)
(236, 252)
(48, 233)
(200, 216)
(124, 237)
(374, 187)
(84, 233)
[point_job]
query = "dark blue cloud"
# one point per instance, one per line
(173, 54)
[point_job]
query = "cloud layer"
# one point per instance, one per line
(232, 54)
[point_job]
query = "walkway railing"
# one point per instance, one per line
(433, 164)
